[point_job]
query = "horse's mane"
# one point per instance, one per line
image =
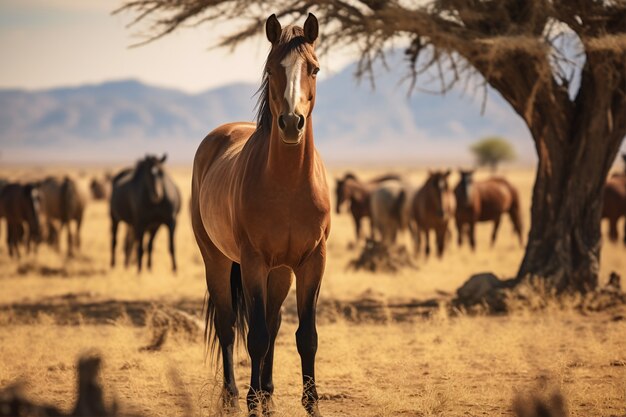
(291, 39)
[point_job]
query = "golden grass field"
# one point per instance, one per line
(383, 365)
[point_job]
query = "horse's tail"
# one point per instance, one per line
(68, 199)
(239, 309)
(516, 213)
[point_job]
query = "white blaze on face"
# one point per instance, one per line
(293, 69)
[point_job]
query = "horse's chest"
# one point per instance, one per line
(284, 230)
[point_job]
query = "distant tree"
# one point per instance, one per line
(560, 64)
(492, 151)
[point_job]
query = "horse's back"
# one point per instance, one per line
(223, 143)
(497, 196)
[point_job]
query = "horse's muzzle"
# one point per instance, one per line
(292, 127)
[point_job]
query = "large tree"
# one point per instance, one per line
(561, 64)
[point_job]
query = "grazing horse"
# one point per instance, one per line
(350, 189)
(100, 187)
(260, 213)
(614, 205)
(62, 203)
(390, 209)
(482, 201)
(431, 209)
(20, 204)
(144, 197)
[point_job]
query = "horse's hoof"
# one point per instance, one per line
(313, 411)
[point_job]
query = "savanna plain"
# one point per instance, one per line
(376, 355)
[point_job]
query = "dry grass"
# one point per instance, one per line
(439, 366)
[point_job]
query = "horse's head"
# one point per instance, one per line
(439, 192)
(290, 73)
(32, 208)
(151, 171)
(466, 184)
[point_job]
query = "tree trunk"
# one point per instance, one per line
(565, 236)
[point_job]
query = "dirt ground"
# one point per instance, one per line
(377, 355)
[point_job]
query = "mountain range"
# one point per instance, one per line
(353, 122)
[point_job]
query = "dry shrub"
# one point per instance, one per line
(164, 322)
(377, 257)
(540, 404)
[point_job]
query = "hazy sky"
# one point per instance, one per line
(49, 43)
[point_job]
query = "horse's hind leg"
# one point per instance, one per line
(427, 239)
(140, 230)
(308, 280)
(279, 282)
(172, 228)
(613, 235)
(221, 296)
(150, 246)
(224, 305)
(70, 239)
(440, 235)
(79, 222)
(129, 244)
(254, 277)
(494, 234)
(472, 235)
(114, 224)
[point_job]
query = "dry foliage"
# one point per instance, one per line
(378, 257)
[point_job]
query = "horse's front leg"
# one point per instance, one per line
(279, 282)
(254, 272)
(308, 280)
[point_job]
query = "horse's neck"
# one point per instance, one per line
(291, 165)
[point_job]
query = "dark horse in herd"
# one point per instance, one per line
(20, 205)
(260, 213)
(144, 197)
(483, 201)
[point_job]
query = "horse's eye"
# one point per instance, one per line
(268, 71)
(315, 71)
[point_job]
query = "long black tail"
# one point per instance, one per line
(239, 309)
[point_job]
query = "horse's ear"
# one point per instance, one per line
(163, 158)
(273, 29)
(311, 28)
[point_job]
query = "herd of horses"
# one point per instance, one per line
(143, 196)
(260, 214)
(392, 205)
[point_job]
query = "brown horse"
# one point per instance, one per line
(20, 205)
(483, 201)
(63, 204)
(351, 189)
(614, 206)
(432, 209)
(260, 213)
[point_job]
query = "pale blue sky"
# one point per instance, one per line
(49, 43)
